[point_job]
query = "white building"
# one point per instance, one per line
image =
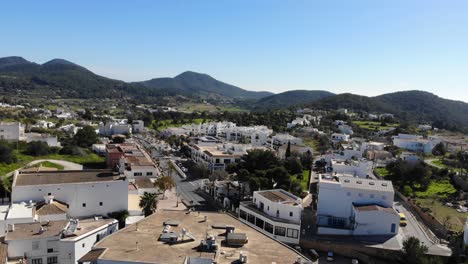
(255, 135)
(53, 242)
(299, 121)
(11, 131)
(410, 157)
(44, 124)
(283, 139)
(114, 128)
(131, 160)
(339, 137)
(416, 143)
(87, 193)
(138, 126)
(208, 129)
(51, 140)
(355, 206)
(276, 213)
(216, 156)
(359, 168)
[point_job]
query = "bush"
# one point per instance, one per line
(37, 148)
(6, 153)
(72, 150)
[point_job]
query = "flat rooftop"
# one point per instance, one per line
(28, 178)
(122, 245)
(348, 181)
(279, 196)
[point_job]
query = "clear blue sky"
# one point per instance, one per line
(364, 47)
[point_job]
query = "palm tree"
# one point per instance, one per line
(149, 203)
(165, 183)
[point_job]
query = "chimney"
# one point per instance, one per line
(11, 227)
(49, 199)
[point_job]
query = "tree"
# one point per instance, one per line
(86, 137)
(165, 183)
(148, 203)
(288, 150)
(413, 251)
(120, 216)
(307, 159)
(293, 165)
(258, 159)
(6, 153)
(439, 149)
(37, 148)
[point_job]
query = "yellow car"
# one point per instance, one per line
(403, 221)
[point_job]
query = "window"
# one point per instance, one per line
(84, 204)
(268, 208)
(280, 231)
(251, 218)
(50, 250)
(277, 213)
(259, 222)
(393, 228)
(49, 194)
(360, 195)
(83, 245)
(293, 233)
(371, 196)
(36, 261)
(35, 245)
(262, 206)
(291, 214)
(243, 214)
(52, 260)
(269, 227)
(138, 174)
(98, 237)
(100, 203)
(149, 173)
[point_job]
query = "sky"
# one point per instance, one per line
(362, 47)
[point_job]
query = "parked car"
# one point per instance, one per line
(330, 256)
(314, 254)
(403, 221)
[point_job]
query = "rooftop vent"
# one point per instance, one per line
(346, 180)
(384, 184)
(371, 183)
(359, 182)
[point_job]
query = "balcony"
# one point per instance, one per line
(252, 207)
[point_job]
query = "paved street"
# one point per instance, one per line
(187, 189)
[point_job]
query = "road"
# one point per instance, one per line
(415, 229)
(187, 188)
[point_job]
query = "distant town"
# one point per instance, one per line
(153, 184)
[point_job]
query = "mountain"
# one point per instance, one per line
(65, 79)
(290, 98)
(193, 83)
(413, 106)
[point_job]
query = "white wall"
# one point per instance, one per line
(72, 250)
(375, 223)
(113, 195)
(11, 131)
(271, 208)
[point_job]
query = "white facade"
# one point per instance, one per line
(337, 197)
(283, 139)
(410, 157)
(11, 131)
(114, 128)
(51, 140)
(416, 143)
(208, 129)
(86, 196)
(275, 213)
(358, 168)
(338, 137)
(61, 242)
(255, 135)
(138, 126)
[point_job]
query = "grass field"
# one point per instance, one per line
(192, 107)
(444, 213)
(304, 180)
(438, 189)
(373, 125)
(312, 143)
(383, 172)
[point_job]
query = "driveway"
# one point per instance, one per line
(67, 165)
